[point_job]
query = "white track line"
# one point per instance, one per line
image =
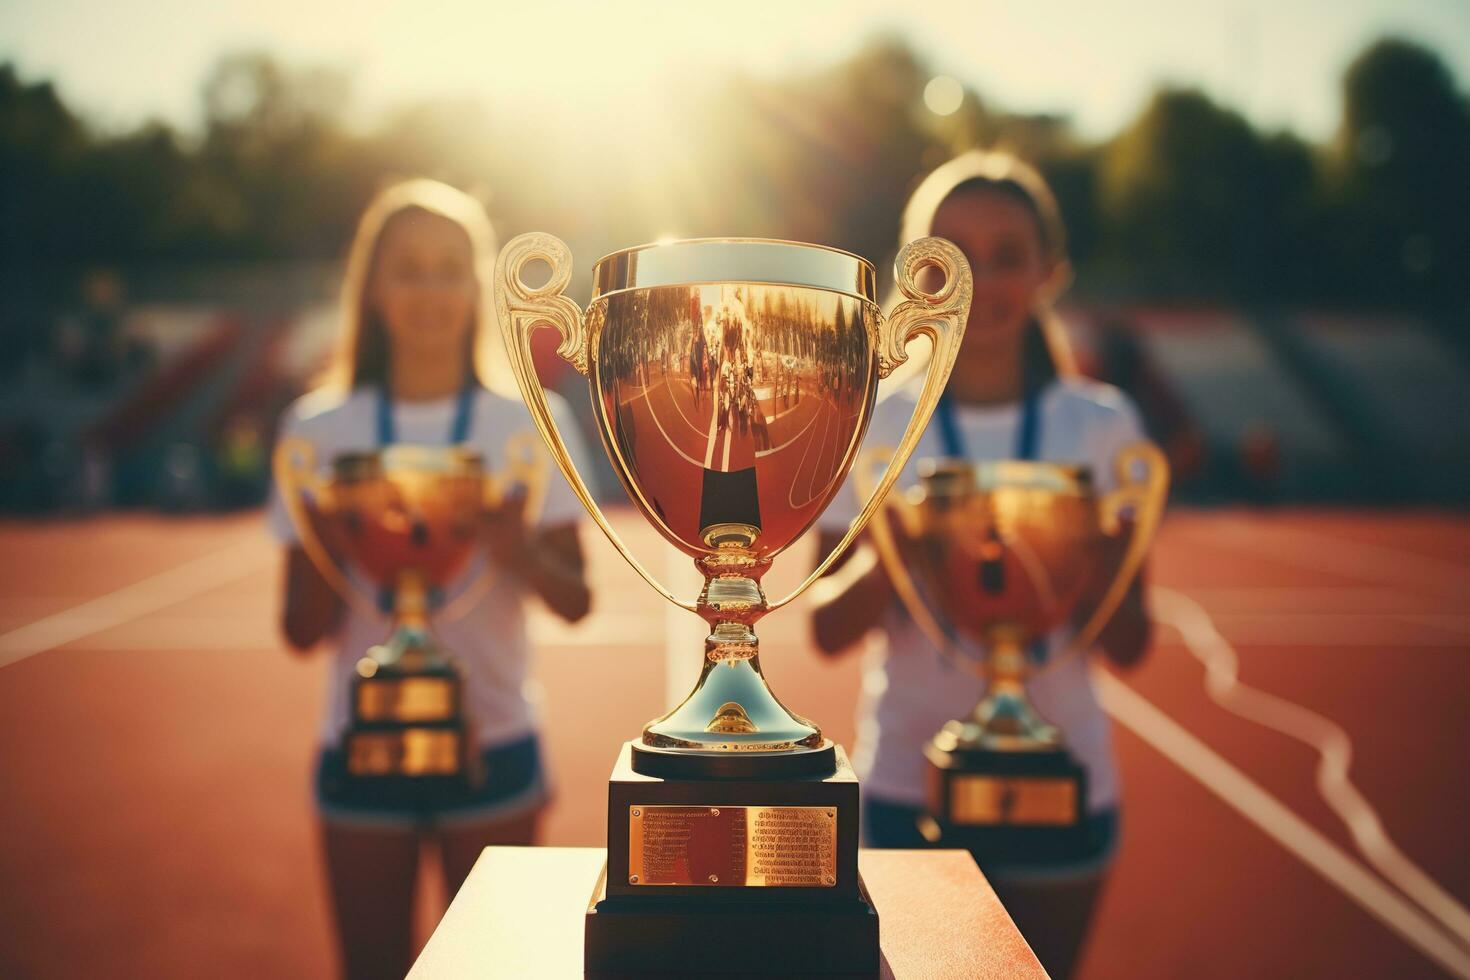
(1326, 737)
(1238, 791)
(178, 584)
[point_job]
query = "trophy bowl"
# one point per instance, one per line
(732, 381)
(1008, 543)
(408, 517)
(993, 556)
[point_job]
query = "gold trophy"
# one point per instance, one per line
(409, 518)
(732, 381)
(1000, 553)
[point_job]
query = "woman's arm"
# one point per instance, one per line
(850, 598)
(549, 560)
(312, 610)
(557, 572)
(1126, 636)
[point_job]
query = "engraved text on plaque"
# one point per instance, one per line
(772, 846)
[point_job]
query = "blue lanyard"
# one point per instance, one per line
(459, 430)
(1028, 433)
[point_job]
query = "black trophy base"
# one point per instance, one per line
(400, 767)
(1007, 807)
(678, 938)
(751, 875)
(685, 764)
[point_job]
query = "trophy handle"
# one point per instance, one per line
(525, 464)
(1146, 495)
(522, 310)
(941, 317)
(294, 465)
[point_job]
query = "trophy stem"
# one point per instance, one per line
(411, 600)
(1005, 666)
(411, 646)
(732, 708)
(732, 600)
(1005, 719)
(407, 716)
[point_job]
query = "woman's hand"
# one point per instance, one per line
(1114, 549)
(506, 537)
(328, 531)
(851, 598)
(1126, 635)
(549, 560)
(312, 609)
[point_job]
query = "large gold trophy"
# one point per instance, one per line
(408, 517)
(732, 381)
(993, 556)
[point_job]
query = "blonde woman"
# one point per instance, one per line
(414, 364)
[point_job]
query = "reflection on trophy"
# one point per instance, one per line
(1000, 554)
(408, 518)
(732, 381)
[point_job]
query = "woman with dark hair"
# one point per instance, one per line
(416, 364)
(1014, 393)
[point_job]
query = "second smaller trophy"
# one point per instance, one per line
(408, 518)
(994, 556)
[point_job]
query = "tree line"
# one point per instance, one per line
(1188, 200)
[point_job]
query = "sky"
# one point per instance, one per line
(1278, 61)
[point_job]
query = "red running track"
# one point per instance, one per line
(157, 820)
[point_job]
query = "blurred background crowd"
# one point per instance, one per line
(1291, 311)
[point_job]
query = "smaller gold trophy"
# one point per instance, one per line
(409, 518)
(1001, 553)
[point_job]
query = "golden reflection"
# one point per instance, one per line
(1011, 542)
(734, 405)
(409, 509)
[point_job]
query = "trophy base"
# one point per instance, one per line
(698, 865)
(393, 786)
(405, 750)
(692, 764)
(1011, 807)
(674, 937)
(759, 840)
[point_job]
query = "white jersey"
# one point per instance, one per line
(909, 690)
(490, 641)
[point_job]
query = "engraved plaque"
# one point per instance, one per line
(762, 846)
(407, 752)
(1023, 801)
(405, 699)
